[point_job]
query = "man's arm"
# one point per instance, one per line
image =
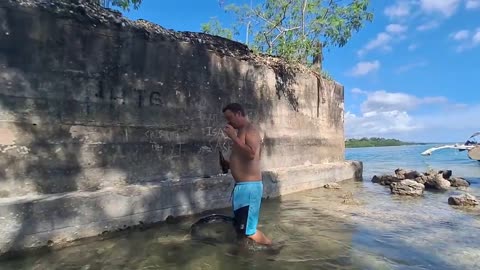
(250, 146)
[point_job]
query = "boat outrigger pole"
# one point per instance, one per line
(471, 145)
(460, 147)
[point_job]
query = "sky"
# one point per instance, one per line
(412, 74)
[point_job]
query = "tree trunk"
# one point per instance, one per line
(318, 59)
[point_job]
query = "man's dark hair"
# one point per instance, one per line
(235, 108)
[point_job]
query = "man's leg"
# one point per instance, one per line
(240, 205)
(253, 217)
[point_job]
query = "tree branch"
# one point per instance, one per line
(284, 31)
(326, 11)
(261, 17)
(279, 23)
(324, 16)
(303, 17)
(268, 42)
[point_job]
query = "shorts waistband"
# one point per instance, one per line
(249, 183)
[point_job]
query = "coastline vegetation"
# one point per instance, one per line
(375, 142)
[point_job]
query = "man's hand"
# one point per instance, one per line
(230, 132)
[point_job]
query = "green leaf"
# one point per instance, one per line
(214, 27)
(293, 28)
(123, 4)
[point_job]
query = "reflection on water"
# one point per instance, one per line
(360, 226)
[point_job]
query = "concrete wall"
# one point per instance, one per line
(106, 122)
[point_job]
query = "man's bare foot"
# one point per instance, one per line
(260, 238)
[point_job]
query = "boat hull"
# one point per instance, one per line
(474, 153)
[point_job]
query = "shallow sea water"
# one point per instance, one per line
(360, 226)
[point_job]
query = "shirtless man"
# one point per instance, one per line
(244, 164)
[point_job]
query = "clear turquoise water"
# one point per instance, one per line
(360, 226)
(380, 160)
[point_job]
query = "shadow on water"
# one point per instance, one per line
(161, 246)
(315, 229)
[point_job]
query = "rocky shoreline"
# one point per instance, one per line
(413, 183)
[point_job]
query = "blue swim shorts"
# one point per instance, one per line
(247, 197)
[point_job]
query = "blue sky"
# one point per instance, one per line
(412, 74)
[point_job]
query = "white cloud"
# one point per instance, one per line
(383, 40)
(395, 115)
(466, 39)
(378, 124)
(413, 8)
(461, 35)
(472, 4)
(455, 119)
(428, 26)
(476, 37)
(380, 42)
(436, 126)
(364, 68)
(444, 7)
(382, 101)
(398, 10)
(358, 91)
(433, 100)
(396, 28)
(456, 125)
(411, 66)
(428, 14)
(412, 47)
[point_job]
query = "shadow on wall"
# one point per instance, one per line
(285, 78)
(89, 107)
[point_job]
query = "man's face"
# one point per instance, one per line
(233, 119)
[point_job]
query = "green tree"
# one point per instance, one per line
(124, 4)
(374, 142)
(299, 30)
(214, 27)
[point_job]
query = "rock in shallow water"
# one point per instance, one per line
(412, 175)
(446, 174)
(431, 179)
(438, 182)
(459, 182)
(422, 179)
(332, 186)
(385, 179)
(463, 200)
(407, 187)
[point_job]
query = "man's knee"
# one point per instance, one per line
(241, 219)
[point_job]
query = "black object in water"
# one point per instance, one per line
(221, 229)
(214, 228)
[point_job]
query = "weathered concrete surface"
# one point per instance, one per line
(92, 104)
(35, 221)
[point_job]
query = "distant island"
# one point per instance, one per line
(375, 142)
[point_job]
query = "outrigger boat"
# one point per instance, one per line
(471, 145)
